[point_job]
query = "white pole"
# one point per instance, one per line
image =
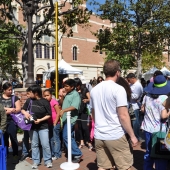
(69, 165)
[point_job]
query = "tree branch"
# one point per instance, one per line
(47, 6)
(21, 4)
(67, 12)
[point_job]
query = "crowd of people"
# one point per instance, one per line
(107, 116)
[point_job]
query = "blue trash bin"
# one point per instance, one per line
(2, 152)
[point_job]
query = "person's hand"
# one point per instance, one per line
(37, 121)
(61, 113)
(134, 141)
(85, 100)
(27, 115)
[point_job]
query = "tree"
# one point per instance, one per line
(9, 48)
(67, 19)
(140, 27)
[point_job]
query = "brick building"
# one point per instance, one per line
(76, 50)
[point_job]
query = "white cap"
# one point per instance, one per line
(83, 80)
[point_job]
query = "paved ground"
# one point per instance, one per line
(88, 161)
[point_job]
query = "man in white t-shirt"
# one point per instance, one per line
(137, 91)
(109, 110)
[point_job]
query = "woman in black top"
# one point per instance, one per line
(82, 120)
(11, 104)
(41, 112)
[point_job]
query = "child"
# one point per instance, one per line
(39, 131)
(54, 125)
(71, 103)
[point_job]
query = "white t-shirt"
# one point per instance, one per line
(137, 91)
(104, 99)
(152, 116)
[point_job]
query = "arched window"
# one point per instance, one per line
(74, 53)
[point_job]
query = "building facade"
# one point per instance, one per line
(76, 51)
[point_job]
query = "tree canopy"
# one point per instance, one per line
(140, 28)
(67, 19)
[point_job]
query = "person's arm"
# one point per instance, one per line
(93, 115)
(42, 119)
(136, 93)
(3, 119)
(56, 107)
(88, 98)
(164, 114)
(71, 108)
(26, 114)
(126, 124)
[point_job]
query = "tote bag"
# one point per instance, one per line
(2, 152)
(19, 118)
(159, 149)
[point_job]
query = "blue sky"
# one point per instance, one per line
(90, 7)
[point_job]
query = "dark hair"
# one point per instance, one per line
(122, 82)
(70, 82)
(35, 89)
(100, 77)
(131, 75)
(78, 82)
(49, 90)
(6, 85)
(111, 67)
(157, 72)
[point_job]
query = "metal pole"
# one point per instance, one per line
(30, 80)
(56, 50)
(69, 165)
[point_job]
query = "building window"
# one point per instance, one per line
(74, 28)
(38, 51)
(15, 12)
(53, 52)
(46, 52)
(74, 53)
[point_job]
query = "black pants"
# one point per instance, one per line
(11, 131)
(83, 128)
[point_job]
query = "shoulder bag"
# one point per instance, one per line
(159, 149)
(19, 118)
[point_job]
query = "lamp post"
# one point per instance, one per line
(29, 9)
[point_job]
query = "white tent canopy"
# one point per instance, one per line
(65, 68)
(149, 73)
(165, 71)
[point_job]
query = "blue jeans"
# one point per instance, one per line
(25, 145)
(160, 164)
(43, 135)
(55, 140)
(74, 148)
(136, 124)
(11, 131)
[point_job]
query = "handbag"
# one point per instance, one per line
(2, 152)
(131, 112)
(159, 149)
(19, 118)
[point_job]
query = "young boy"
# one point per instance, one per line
(3, 118)
(71, 103)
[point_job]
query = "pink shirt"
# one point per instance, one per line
(53, 102)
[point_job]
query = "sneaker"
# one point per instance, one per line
(49, 165)
(54, 158)
(34, 166)
(77, 159)
(23, 157)
(15, 159)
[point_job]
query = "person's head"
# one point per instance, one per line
(122, 82)
(7, 88)
(131, 78)
(160, 86)
(48, 94)
(112, 68)
(100, 79)
(78, 83)
(156, 73)
(35, 91)
(69, 85)
(28, 94)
